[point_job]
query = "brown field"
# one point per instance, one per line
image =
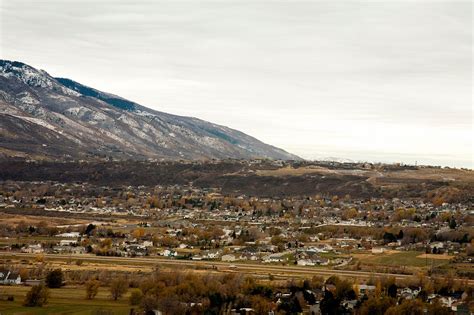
(14, 219)
(419, 174)
(90, 262)
(410, 259)
(435, 256)
(290, 171)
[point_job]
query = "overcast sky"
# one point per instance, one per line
(373, 80)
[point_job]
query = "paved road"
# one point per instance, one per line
(245, 268)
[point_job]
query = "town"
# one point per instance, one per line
(296, 248)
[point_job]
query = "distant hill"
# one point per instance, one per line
(53, 118)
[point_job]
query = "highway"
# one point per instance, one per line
(283, 272)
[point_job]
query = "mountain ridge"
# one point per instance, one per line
(46, 117)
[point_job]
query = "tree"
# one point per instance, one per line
(452, 224)
(138, 233)
(344, 290)
(389, 237)
(37, 296)
(92, 288)
(329, 305)
(438, 309)
(376, 305)
(400, 235)
(118, 287)
(136, 297)
(333, 280)
(89, 229)
(392, 290)
(149, 303)
(422, 295)
(291, 306)
(317, 282)
(408, 307)
(261, 305)
(54, 279)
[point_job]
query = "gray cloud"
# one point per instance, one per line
(372, 80)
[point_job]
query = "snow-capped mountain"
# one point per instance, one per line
(46, 117)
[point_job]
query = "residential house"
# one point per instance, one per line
(33, 249)
(9, 277)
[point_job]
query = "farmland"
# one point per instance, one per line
(66, 300)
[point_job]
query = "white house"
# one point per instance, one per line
(305, 262)
(277, 257)
(8, 277)
(169, 253)
(69, 235)
(33, 249)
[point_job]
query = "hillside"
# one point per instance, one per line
(42, 117)
(260, 178)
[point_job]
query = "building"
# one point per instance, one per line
(228, 257)
(69, 235)
(8, 277)
(33, 249)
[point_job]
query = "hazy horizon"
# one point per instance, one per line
(365, 81)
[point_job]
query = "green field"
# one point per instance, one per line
(67, 300)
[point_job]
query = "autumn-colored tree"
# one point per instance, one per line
(92, 288)
(437, 201)
(106, 243)
(376, 305)
(407, 307)
(39, 258)
(438, 309)
(261, 305)
(37, 296)
(317, 282)
(350, 213)
(344, 290)
(138, 233)
(149, 303)
(24, 273)
(118, 287)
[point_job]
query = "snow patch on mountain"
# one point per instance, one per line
(105, 124)
(32, 77)
(27, 98)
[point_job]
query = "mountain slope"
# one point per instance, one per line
(46, 117)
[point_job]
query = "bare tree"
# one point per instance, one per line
(118, 287)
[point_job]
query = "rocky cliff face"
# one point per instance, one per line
(46, 117)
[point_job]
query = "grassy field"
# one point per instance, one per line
(67, 300)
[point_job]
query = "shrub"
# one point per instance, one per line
(37, 296)
(136, 297)
(54, 279)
